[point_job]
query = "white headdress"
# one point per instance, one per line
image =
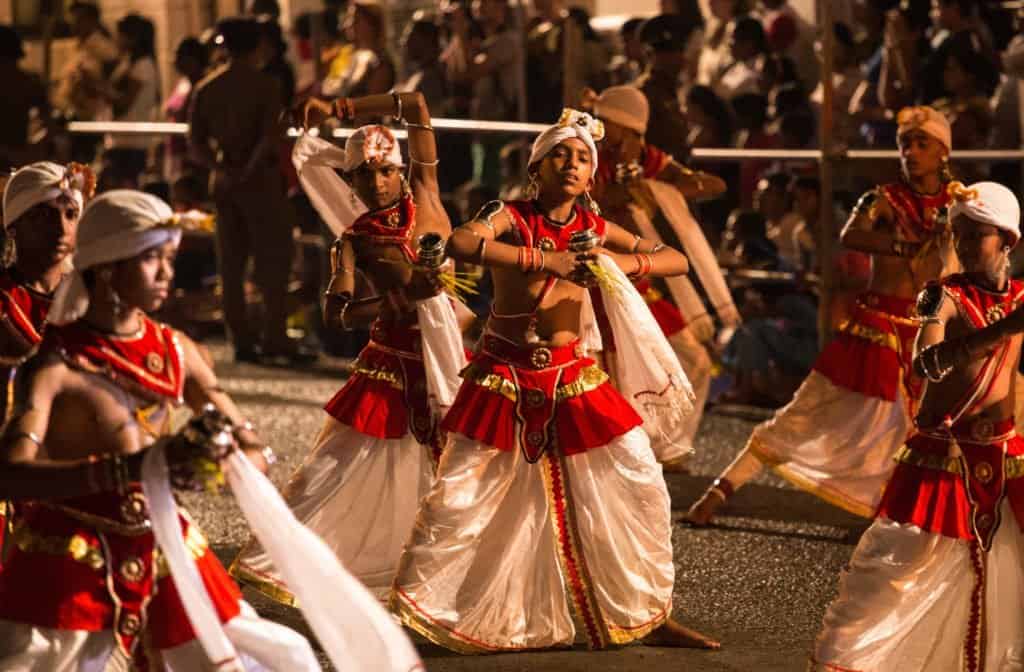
(987, 202)
(43, 182)
(116, 225)
(572, 124)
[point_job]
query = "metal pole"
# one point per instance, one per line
(826, 227)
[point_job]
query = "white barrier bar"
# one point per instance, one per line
(517, 128)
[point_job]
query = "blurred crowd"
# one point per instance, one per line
(717, 74)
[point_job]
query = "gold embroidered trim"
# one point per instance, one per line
(1014, 467)
(899, 319)
(916, 458)
(590, 378)
(195, 542)
(870, 334)
(76, 546)
(403, 606)
(618, 634)
(269, 588)
(652, 295)
(383, 375)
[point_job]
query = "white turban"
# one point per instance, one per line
(572, 124)
(116, 225)
(41, 182)
(372, 143)
(989, 203)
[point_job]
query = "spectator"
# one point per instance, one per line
(785, 99)
(190, 62)
(798, 130)
(788, 34)
(260, 8)
(665, 36)
(133, 93)
(715, 54)
(78, 93)
(626, 66)
(464, 36)
(563, 58)
(369, 69)
(421, 44)
(772, 200)
(274, 49)
(25, 97)
(747, 54)
(689, 11)
(905, 51)
(317, 37)
(708, 118)
(496, 73)
(213, 43)
(846, 77)
(234, 132)
(969, 81)
(751, 113)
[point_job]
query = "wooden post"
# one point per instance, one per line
(826, 228)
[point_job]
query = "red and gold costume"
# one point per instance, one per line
(936, 582)
(374, 458)
(838, 435)
(23, 313)
(91, 564)
(548, 501)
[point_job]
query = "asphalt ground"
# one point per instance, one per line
(759, 580)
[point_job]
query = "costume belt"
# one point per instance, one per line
(401, 340)
(536, 357)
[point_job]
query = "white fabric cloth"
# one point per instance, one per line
(695, 244)
(316, 161)
(988, 203)
(117, 224)
(360, 494)
(649, 374)
(443, 353)
(36, 183)
(904, 603)
(163, 512)
(572, 124)
(482, 570)
(351, 626)
(836, 443)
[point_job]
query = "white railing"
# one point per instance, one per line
(529, 130)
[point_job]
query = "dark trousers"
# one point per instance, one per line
(254, 219)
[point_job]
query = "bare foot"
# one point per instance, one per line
(704, 509)
(675, 635)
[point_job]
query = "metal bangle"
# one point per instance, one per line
(31, 436)
(398, 105)
(422, 127)
(413, 159)
(636, 243)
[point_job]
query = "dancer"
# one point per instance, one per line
(42, 203)
(838, 435)
(936, 582)
(548, 502)
(85, 586)
(634, 184)
(374, 458)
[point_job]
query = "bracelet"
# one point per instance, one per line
(341, 296)
(644, 264)
(413, 159)
(636, 243)
(541, 267)
(658, 247)
(398, 105)
(531, 259)
(422, 127)
(483, 246)
(933, 370)
(31, 436)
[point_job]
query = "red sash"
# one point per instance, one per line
(389, 226)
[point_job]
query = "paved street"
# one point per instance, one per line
(759, 580)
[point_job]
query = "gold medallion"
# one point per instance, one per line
(155, 363)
